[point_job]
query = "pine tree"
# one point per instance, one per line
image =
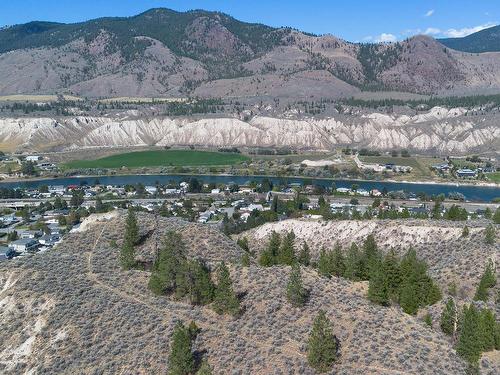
(243, 243)
(488, 280)
(371, 257)
(325, 267)
(305, 256)
(225, 300)
(204, 369)
(127, 252)
(489, 235)
(378, 287)
(390, 267)
(127, 256)
(408, 298)
(131, 228)
(194, 282)
(353, 263)
(487, 326)
(295, 291)
(338, 261)
(269, 257)
(169, 265)
(287, 250)
(496, 216)
(322, 346)
(469, 341)
(449, 317)
(181, 359)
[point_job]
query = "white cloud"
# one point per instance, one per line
(429, 13)
(368, 38)
(459, 33)
(432, 31)
(386, 38)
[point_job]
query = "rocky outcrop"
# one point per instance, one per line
(439, 130)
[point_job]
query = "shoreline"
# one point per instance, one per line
(429, 182)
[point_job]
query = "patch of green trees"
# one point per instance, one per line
(191, 279)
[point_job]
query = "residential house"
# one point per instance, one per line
(466, 173)
(49, 239)
(24, 245)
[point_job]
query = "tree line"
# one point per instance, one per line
(475, 329)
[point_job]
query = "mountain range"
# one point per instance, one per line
(210, 54)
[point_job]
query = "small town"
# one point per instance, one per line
(35, 220)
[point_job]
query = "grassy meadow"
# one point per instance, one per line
(141, 159)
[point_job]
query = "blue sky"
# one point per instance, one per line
(354, 20)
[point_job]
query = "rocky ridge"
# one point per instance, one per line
(438, 130)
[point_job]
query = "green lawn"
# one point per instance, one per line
(494, 177)
(160, 158)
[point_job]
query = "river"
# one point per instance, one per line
(471, 192)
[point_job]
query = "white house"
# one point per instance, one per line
(24, 245)
(33, 158)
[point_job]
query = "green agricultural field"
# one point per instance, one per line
(494, 177)
(160, 158)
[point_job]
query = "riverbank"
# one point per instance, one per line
(470, 192)
(333, 179)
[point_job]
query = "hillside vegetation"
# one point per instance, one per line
(165, 53)
(80, 309)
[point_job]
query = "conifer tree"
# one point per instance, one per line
(295, 291)
(169, 265)
(496, 216)
(378, 287)
(487, 327)
(194, 282)
(338, 261)
(225, 300)
(322, 346)
(287, 250)
(489, 235)
(353, 263)
(392, 273)
(449, 317)
(127, 252)
(131, 228)
(325, 267)
(469, 341)
(371, 257)
(408, 298)
(269, 257)
(488, 280)
(243, 243)
(181, 359)
(304, 255)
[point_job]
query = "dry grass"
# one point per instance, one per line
(34, 98)
(95, 318)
